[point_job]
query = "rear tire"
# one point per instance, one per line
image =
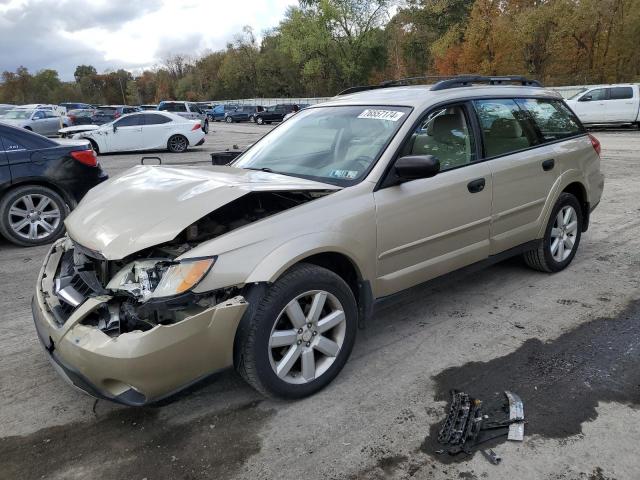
(260, 121)
(315, 354)
(205, 128)
(563, 231)
(228, 120)
(32, 215)
(177, 144)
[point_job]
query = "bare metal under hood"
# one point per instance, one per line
(149, 205)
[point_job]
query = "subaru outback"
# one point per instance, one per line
(270, 264)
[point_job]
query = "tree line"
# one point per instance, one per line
(323, 46)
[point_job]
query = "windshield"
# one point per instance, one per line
(336, 145)
(577, 94)
(18, 114)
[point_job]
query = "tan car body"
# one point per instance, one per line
(393, 237)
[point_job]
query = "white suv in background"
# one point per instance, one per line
(188, 110)
(613, 104)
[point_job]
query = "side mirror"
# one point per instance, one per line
(115, 128)
(413, 167)
(586, 98)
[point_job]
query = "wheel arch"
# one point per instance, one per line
(570, 182)
(40, 182)
(578, 190)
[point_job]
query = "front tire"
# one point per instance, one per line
(205, 128)
(299, 335)
(177, 144)
(32, 215)
(260, 121)
(228, 120)
(561, 237)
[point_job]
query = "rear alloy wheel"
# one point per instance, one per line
(300, 334)
(252, 119)
(260, 121)
(32, 215)
(561, 238)
(205, 128)
(228, 120)
(177, 144)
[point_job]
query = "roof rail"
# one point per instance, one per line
(466, 80)
(391, 83)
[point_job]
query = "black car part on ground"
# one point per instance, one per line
(469, 424)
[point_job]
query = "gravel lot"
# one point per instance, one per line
(568, 343)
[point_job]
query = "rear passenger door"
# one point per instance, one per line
(524, 165)
(621, 106)
(155, 130)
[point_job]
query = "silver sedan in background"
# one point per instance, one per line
(44, 122)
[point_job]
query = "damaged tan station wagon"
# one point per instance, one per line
(270, 264)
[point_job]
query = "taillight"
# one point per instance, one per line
(87, 157)
(595, 143)
(196, 127)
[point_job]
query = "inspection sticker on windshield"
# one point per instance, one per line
(350, 174)
(390, 115)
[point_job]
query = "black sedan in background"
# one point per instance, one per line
(41, 181)
(108, 113)
(274, 113)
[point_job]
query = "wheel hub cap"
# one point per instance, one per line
(563, 233)
(307, 337)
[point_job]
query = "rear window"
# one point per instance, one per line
(552, 119)
(620, 93)
(173, 107)
(155, 119)
(505, 127)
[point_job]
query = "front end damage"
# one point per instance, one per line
(120, 343)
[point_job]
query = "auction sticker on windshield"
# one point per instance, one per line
(390, 115)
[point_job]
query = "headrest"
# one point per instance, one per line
(505, 128)
(443, 125)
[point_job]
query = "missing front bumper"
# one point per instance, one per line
(134, 368)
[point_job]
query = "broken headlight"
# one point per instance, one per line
(146, 279)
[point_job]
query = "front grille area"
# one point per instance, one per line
(75, 281)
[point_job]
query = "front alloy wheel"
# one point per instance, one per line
(307, 337)
(295, 338)
(259, 120)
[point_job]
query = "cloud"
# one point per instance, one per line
(111, 34)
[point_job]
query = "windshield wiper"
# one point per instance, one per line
(261, 169)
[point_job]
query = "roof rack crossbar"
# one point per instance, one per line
(465, 81)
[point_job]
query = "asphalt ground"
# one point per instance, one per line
(568, 343)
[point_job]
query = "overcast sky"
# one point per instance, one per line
(131, 34)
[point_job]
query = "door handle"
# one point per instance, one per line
(476, 186)
(548, 164)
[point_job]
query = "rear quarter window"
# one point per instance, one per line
(551, 118)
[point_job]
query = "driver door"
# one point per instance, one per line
(127, 135)
(432, 226)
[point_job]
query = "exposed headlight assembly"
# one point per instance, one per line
(147, 279)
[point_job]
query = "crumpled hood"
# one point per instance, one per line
(149, 205)
(78, 129)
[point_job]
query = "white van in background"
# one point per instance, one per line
(608, 104)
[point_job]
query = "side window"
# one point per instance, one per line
(10, 145)
(505, 128)
(594, 95)
(129, 121)
(445, 134)
(155, 119)
(552, 118)
(38, 115)
(620, 93)
(194, 108)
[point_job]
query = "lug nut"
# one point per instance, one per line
(308, 344)
(309, 325)
(299, 342)
(300, 330)
(315, 333)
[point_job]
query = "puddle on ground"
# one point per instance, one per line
(138, 443)
(560, 381)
